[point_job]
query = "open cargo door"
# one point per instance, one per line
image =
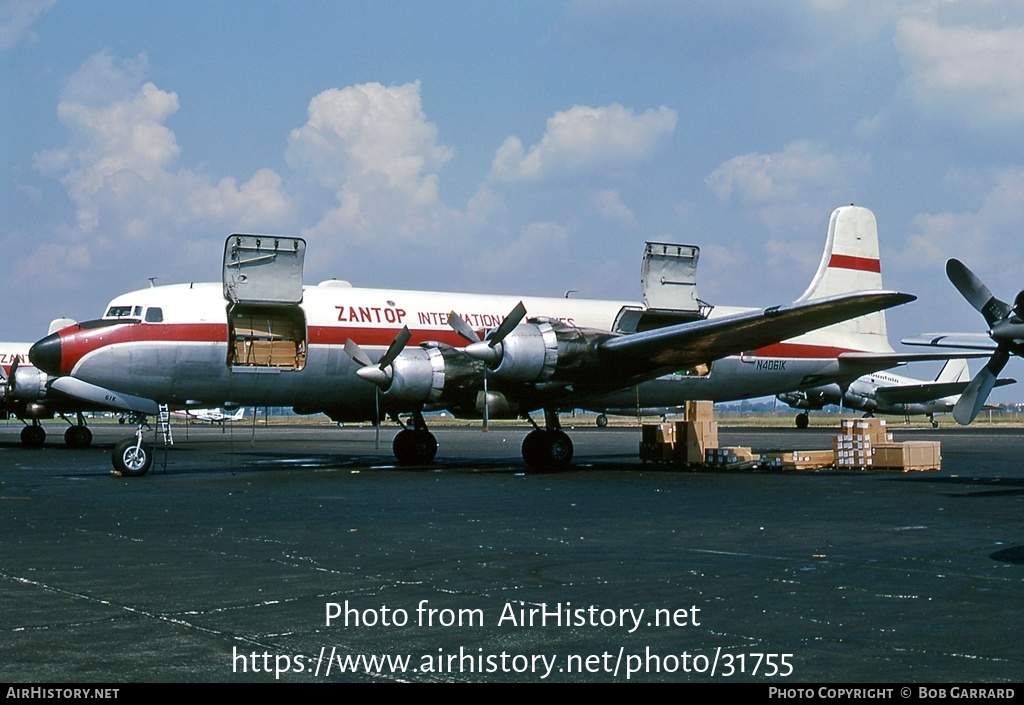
(668, 280)
(263, 285)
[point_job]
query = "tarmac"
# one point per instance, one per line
(256, 554)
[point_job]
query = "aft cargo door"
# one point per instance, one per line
(263, 285)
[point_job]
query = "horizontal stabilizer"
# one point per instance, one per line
(963, 341)
(922, 393)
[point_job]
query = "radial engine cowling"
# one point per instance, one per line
(29, 384)
(541, 350)
(430, 374)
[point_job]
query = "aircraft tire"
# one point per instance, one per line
(802, 420)
(78, 437)
(414, 447)
(131, 459)
(547, 450)
(33, 436)
(602, 421)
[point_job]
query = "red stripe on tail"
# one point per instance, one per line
(861, 264)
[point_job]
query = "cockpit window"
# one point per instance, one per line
(124, 312)
(154, 315)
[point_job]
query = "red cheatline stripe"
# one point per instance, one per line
(861, 264)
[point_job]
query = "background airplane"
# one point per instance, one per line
(1005, 337)
(888, 393)
(213, 415)
(25, 394)
(261, 338)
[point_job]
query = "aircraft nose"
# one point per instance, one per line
(46, 354)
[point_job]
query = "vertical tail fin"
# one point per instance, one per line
(955, 370)
(851, 262)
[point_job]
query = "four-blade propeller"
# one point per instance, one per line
(1006, 329)
(488, 350)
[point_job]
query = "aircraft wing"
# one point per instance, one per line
(652, 353)
(921, 393)
(965, 341)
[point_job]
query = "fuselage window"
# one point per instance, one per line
(154, 315)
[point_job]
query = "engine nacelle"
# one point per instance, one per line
(498, 407)
(29, 384)
(36, 411)
(430, 374)
(813, 399)
(546, 350)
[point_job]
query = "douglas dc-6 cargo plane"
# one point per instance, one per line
(261, 338)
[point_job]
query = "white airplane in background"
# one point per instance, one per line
(216, 415)
(887, 393)
(25, 394)
(260, 337)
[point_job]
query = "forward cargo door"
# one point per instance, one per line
(262, 278)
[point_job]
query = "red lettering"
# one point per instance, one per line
(341, 312)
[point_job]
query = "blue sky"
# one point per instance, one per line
(527, 147)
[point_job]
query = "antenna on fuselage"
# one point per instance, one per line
(152, 282)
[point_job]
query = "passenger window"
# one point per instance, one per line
(154, 315)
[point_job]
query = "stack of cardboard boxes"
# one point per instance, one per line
(681, 442)
(868, 445)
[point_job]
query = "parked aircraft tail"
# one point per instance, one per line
(955, 370)
(850, 262)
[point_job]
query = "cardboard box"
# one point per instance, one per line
(737, 457)
(693, 439)
(799, 459)
(908, 456)
(699, 411)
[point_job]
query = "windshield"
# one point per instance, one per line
(124, 312)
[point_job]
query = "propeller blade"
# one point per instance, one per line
(396, 347)
(460, 326)
(976, 293)
(976, 394)
(508, 325)
(353, 350)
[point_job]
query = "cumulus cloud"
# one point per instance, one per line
(119, 165)
(584, 137)
(17, 18)
(966, 71)
(988, 237)
(800, 167)
(372, 146)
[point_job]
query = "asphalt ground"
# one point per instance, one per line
(293, 554)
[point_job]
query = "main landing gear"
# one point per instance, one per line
(414, 444)
(548, 448)
(802, 420)
(78, 436)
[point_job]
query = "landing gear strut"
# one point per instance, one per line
(414, 444)
(548, 448)
(132, 457)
